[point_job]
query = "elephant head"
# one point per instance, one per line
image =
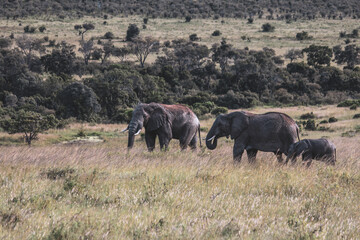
(232, 124)
(151, 116)
(295, 150)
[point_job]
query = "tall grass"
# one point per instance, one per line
(101, 191)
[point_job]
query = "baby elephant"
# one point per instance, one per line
(320, 149)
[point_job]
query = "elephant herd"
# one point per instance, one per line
(270, 132)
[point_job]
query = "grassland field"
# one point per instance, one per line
(54, 190)
(324, 32)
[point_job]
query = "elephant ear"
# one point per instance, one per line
(157, 119)
(240, 121)
(301, 146)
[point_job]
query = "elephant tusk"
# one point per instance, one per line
(137, 132)
(211, 138)
(126, 129)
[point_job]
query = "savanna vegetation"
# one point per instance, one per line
(98, 191)
(72, 71)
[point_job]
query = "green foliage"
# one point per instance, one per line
(333, 119)
(310, 125)
(29, 29)
(303, 36)
(356, 116)
(348, 103)
(132, 32)
(216, 33)
(109, 35)
(310, 115)
(267, 27)
(187, 18)
(42, 28)
(29, 123)
(122, 115)
(194, 37)
(318, 55)
(219, 110)
(78, 100)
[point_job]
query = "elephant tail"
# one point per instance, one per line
(297, 132)
(199, 136)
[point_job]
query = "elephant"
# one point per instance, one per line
(269, 132)
(166, 122)
(320, 149)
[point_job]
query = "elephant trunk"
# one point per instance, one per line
(134, 129)
(211, 140)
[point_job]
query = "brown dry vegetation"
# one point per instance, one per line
(325, 32)
(99, 191)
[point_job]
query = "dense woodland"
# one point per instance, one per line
(209, 80)
(271, 9)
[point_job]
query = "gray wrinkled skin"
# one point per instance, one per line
(166, 122)
(319, 149)
(269, 132)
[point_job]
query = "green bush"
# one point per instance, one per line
(122, 115)
(349, 103)
(267, 27)
(353, 107)
(303, 36)
(218, 110)
(356, 116)
(216, 33)
(307, 116)
(310, 125)
(332, 119)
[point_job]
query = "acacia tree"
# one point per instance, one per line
(86, 48)
(143, 47)
(84, 28)
(350, 55)
(28, 45)
(29, 123)
(294, 54)
(318, 55)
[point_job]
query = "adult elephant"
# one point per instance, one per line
(166, 122)
(269, 132)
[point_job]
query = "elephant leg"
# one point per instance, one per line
(150, 141)
(307, 158)
(238, 150)
(279, 156)
(187, 138)
(193, 142)
(251, 153)
(164, 141)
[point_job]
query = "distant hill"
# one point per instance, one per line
(271, 9)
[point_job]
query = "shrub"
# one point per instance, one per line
(193, 37)
(332, 119)
(307, 116)
(109, 35)
(187, 19)
(216, 33)
(218, 110)
(348, 103)
(353, 107)
(42, 28)
(122, 115)
(310, 125)
(28, 29)
(250, 20)
(145, 20)
(132, 32)
(324, 121)
(267, 27)
(356, 116)
(303, 36)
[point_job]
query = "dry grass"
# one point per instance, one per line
(325, 32)
(99, 191)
